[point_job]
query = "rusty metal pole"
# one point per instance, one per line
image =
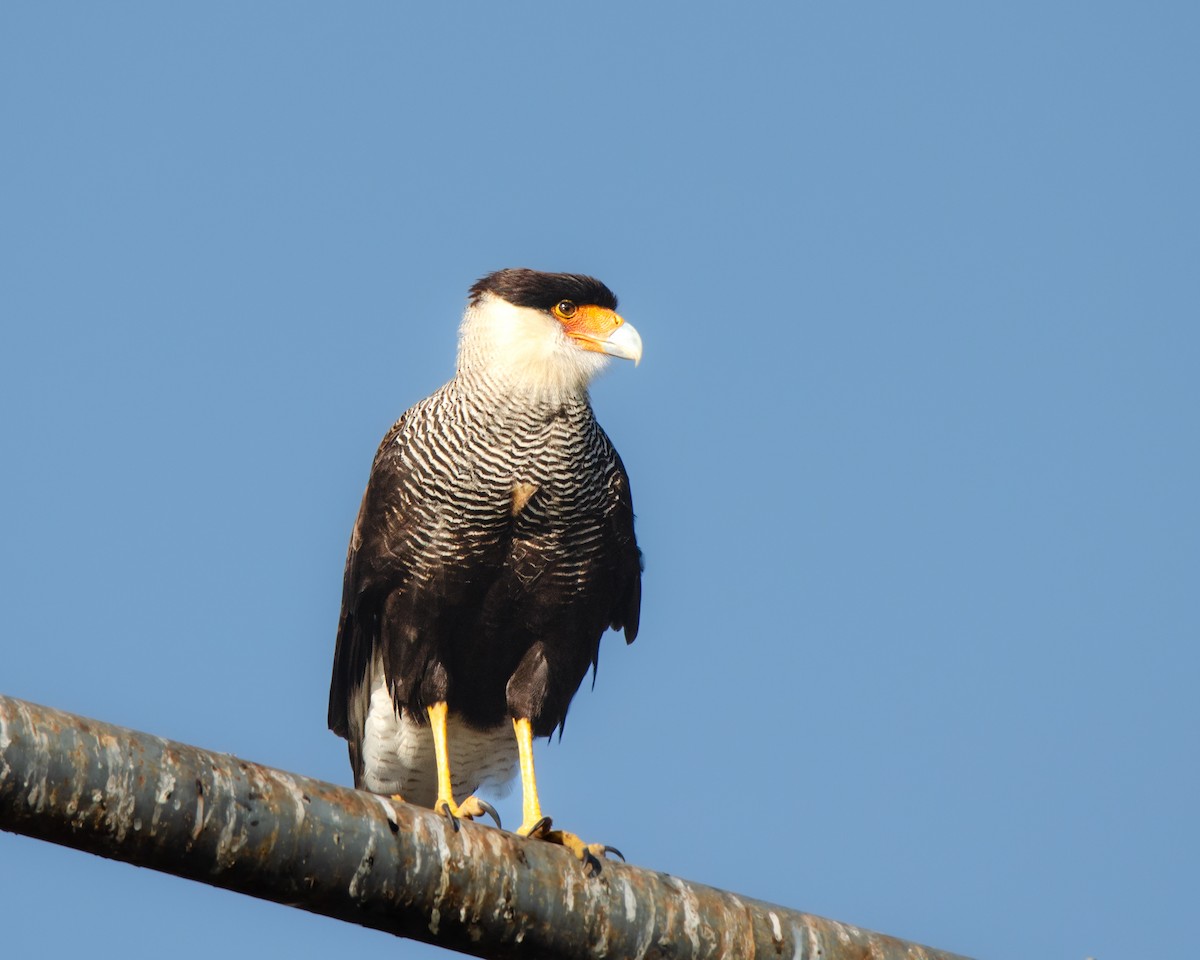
(361, 858)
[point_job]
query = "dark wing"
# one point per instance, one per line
(627, 558)
(373, 566)
(406, 604)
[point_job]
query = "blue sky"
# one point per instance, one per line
(913, 446)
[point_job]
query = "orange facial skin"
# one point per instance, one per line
(588, 324)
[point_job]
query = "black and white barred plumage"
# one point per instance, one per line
(494, 545)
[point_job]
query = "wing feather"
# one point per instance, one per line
(373, 567)
(627, 558)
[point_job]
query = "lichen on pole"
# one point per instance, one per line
(364, 859)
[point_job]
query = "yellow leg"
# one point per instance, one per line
(471, 807)
(533, 824)
(437, 723)
(531, 809)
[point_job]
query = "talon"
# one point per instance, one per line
(591, 855)
(445, 811)
(539, 829)
(473, 807)
(491, 812)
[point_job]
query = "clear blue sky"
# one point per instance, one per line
(914, 446)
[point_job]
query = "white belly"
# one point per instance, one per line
(397, 754)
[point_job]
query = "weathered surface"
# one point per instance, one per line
(357, 857)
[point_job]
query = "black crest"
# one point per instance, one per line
(541, 291)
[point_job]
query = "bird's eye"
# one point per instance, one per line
(565, 309)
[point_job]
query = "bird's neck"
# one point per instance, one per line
(538, 397)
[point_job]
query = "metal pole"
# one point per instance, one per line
(358, 857)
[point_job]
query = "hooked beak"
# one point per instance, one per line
(624, 342)
(605, 331)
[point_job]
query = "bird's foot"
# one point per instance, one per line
(469, 809)
(591, 855)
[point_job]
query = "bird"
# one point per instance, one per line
(493, 548)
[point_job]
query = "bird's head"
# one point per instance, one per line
(548, 333)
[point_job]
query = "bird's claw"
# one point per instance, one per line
(539, 829)
(485, 807)
(594, 854)
(446, 811)
(591, 855)
(469, 809)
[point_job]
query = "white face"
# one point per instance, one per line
(527, 348)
